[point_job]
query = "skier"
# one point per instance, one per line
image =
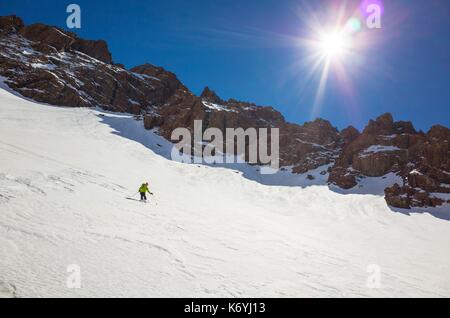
(143, 191)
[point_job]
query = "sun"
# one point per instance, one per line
(334, 45)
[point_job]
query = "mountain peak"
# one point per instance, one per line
(49, 38)
(384, 124)
(385, 118)
(210, 95)
(11, 23)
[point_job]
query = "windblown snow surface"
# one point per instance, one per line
(64, 177)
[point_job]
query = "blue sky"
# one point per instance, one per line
(247, 50)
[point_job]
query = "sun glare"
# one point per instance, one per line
(332, 48)
(334, 45)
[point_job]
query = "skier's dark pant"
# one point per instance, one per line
(143, 196)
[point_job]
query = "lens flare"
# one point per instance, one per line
(353, 25)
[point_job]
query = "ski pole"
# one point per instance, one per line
(156, 203)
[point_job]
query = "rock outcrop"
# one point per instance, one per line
(420, 160)
(210, 96)
(10, 24)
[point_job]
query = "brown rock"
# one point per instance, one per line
(210, 96)
(439, 132)
(151, 122)
(419, 180)
(47, 38)
(382, 125)
(349, 134)
(48, 35)
(404, 127)
(342, 177)
(379, 164)
(397, 197)
(10, 24)
(97, 49)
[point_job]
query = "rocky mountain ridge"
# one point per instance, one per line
(53, 66)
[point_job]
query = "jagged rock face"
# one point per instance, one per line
(349, 135)
(406, 197)
(385, 125)
(422, 160)
(435, 152)
(54, 66)
(169, 83)
(49, 36)
(427, 176)
(210, 96)
(343, 177)
(10, 24)
(97, 49)
(304, 147)
(398, 196)
(379, 164)
(312, 145)
(381, 148)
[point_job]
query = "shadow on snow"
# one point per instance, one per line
(125, 126)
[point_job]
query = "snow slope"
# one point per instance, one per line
(64, 177)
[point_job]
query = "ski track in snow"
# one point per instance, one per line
(66, 174)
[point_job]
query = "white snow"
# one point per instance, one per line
(310, 143)
(442, 196)
(390, 136)
(133, 101)
(207, 232)
(43, 66)
(217, 107)
(145, 77)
